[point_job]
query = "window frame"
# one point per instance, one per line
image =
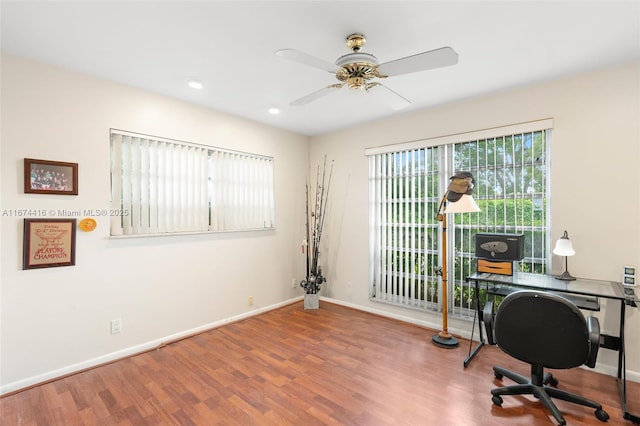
(460, 293)
(224, 191)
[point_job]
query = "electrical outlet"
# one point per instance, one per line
(293, 283)
(250, 301)
(116, 326)
(629, 276)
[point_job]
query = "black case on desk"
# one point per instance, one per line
(500, 247)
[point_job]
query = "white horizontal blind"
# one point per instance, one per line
(162, 186)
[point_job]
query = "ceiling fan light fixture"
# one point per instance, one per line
(357, 69)
(356, 83)
(357, 74)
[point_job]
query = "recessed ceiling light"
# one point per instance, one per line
(274, 111)
(195, 84)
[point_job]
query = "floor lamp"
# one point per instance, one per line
(457, 199)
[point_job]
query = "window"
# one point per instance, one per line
(162, 186)
(407, 182)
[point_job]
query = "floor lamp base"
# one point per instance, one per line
(445, 341)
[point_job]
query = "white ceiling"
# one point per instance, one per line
(229, 46)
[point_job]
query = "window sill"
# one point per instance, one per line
(171, 234)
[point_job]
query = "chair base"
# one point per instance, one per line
(538, 386)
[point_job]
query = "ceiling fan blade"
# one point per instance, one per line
(316, 95)
(396, 100)
(306, 59)
(437, 58)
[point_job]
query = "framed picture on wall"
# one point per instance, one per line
(48, 243)
(50, 177)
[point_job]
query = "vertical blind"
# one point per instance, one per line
(406, 182)
(404, 199)
(241, 191)
(512, 184)
(162, 186)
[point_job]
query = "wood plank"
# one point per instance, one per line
(291, 366)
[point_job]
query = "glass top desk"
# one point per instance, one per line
(588, 291)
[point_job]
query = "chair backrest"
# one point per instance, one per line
(542, 328)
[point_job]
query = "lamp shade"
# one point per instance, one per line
(563, 246)
(466, 204)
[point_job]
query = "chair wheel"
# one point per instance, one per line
(497, 400)
(553, 381)
(602, 415)
(498, 375)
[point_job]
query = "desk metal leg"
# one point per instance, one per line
(473, 352)
(622, 371)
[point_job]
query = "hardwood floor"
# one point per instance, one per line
(330, 366)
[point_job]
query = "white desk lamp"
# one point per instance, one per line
(564, 248)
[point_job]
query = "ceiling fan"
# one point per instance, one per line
(358, 70)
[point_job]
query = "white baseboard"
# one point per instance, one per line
(133, 350)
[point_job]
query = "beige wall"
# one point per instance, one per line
(56, 320)
(595, 187)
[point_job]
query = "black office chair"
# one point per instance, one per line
(544, 330)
